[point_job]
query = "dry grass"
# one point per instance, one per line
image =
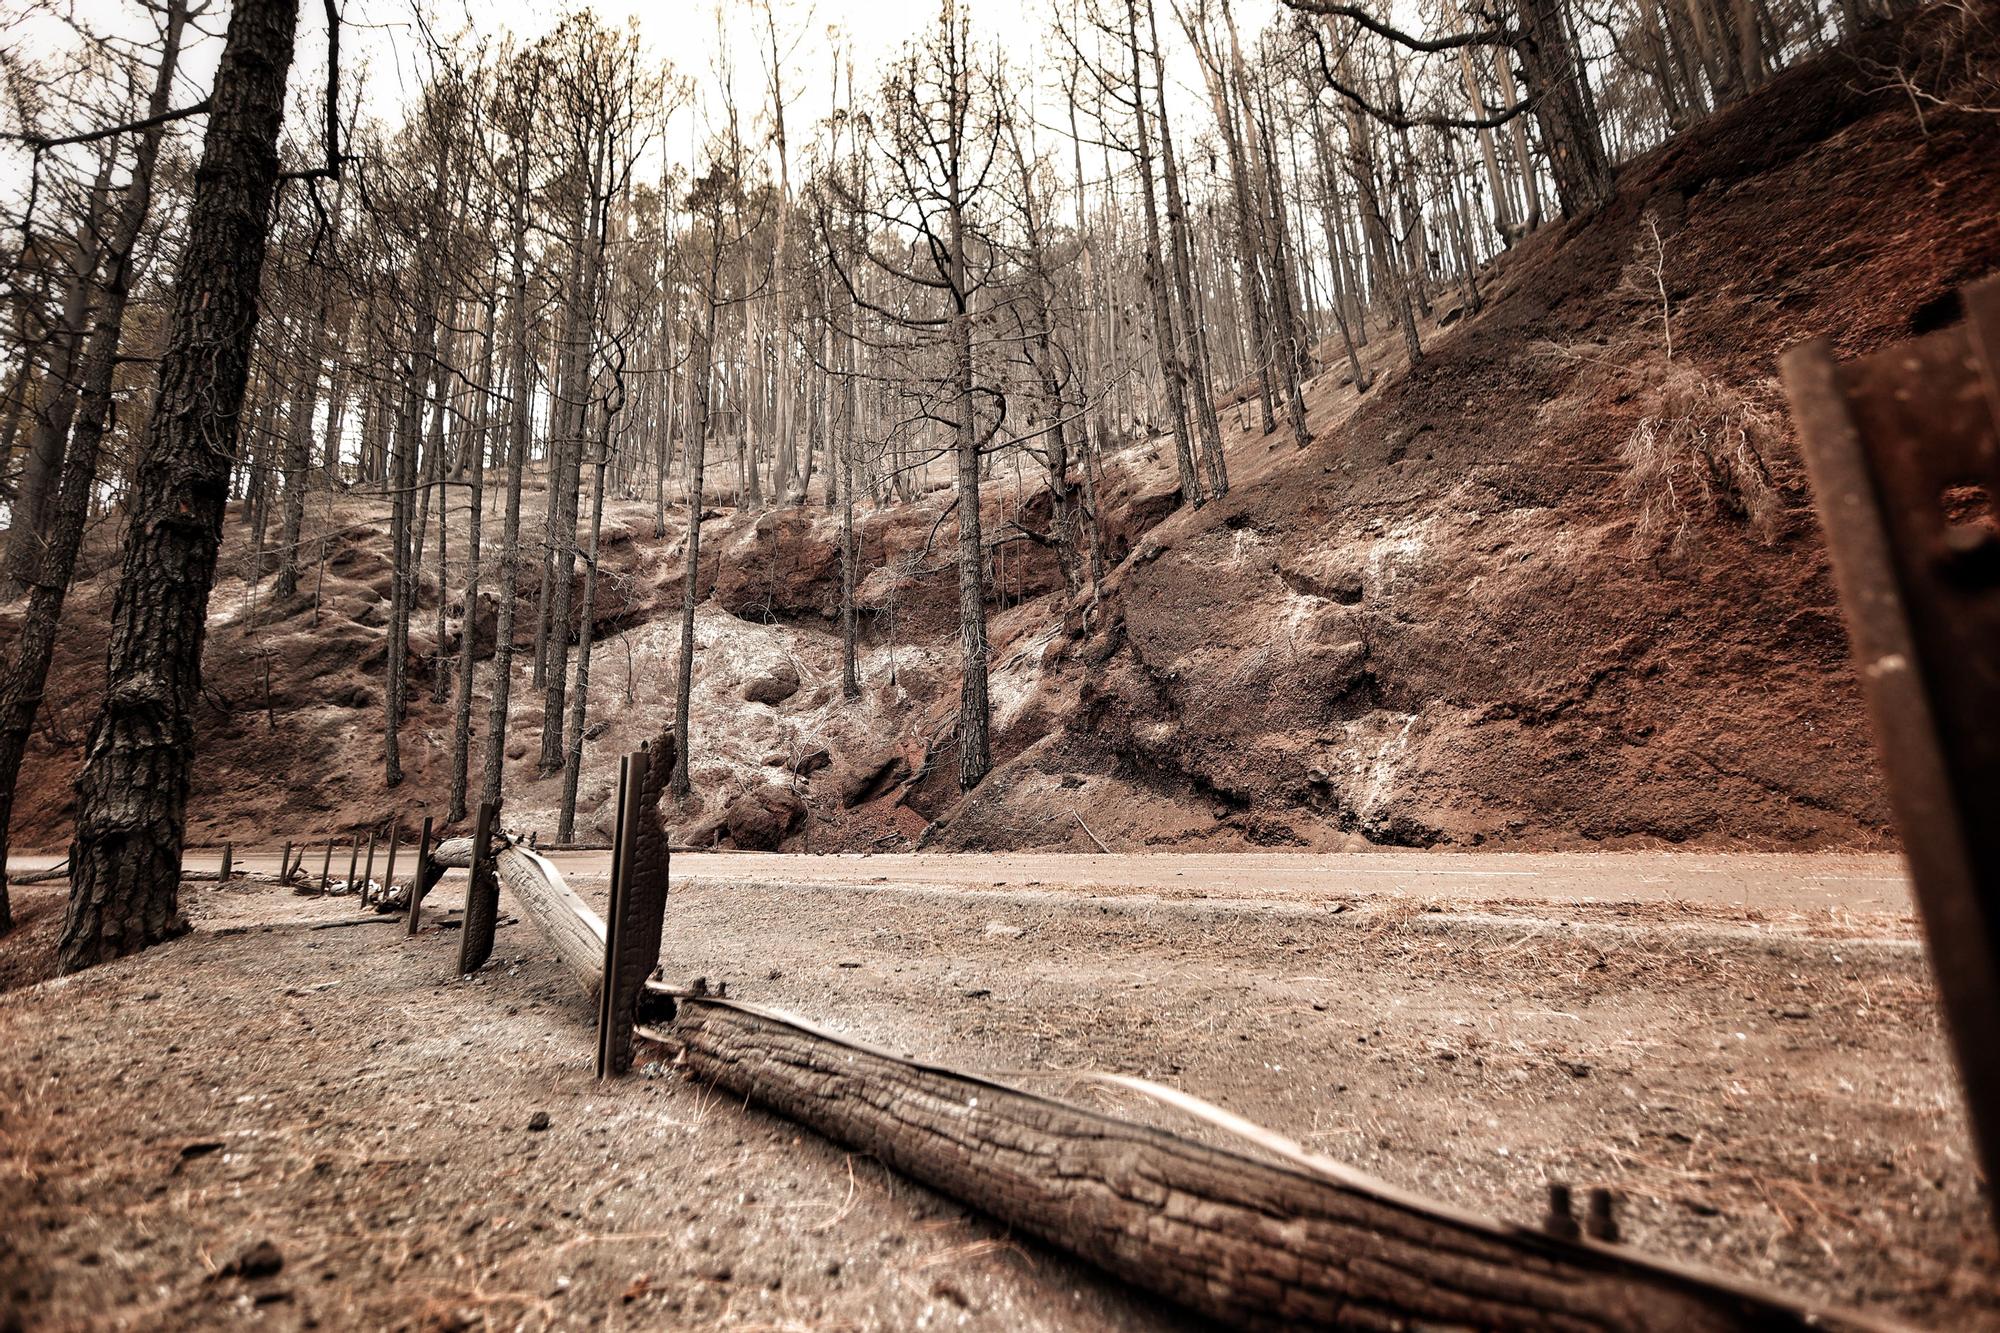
(1701, 445)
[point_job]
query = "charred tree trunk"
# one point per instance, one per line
(1171, 369)
(41, 471)
(468, 620)
(125, 863)
(21, 689)
(520, 388)
(1563, 110)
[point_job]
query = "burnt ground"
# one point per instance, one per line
(1765, 1087)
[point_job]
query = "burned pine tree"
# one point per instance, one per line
(125, 862)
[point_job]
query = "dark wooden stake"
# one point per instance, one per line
(637, 911)
(389, 873)
(285, 864)
(421, 882)
(369, 873)
(325, 866)
(353, 856)
(1900, 447)
(228, 859)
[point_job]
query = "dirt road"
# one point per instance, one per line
(1820, 881)
(1762, 1081)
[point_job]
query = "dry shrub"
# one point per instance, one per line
(1702, 446)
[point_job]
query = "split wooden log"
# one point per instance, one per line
(1287, 1241)
(1253, 1243)
(574, 929)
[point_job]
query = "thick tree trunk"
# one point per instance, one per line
(21, 689)
(1172, 371)
(41, 470)
(468, 620)
(1570, 131)
(1254, 1243)
(125, 863)
(520, 388)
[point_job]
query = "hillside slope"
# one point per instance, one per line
(1557, 585)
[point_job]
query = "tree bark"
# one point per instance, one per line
(1570, 132)
(520, 388)
(468, 620)
(1171, 370)
(41, 471)
(125, 861)
(27, 677)
(1254, 1243)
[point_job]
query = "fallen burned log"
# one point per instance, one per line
(1257, 1244)
(1282, 1240)
(575, 931)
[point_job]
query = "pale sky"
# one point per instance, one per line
(385, 55)
(381, 45)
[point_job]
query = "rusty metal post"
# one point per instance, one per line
(1903, 449)
(482, 895)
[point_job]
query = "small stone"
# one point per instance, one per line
(260, 1260)
(538, 1122)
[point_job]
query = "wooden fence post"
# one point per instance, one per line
(420, 883)
(395, 836)
(482, 895)
(637, 912)
(353, 856)
(228, 856)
